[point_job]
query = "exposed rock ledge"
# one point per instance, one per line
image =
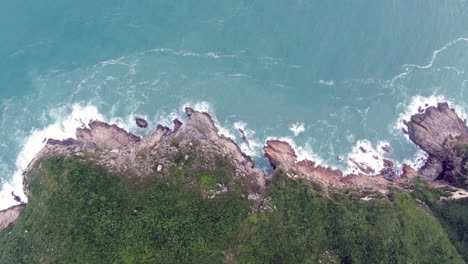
(439, 132)
(436, 130)
(282, 156)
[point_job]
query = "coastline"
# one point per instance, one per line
(120, 151)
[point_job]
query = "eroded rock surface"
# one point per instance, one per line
(441, 133)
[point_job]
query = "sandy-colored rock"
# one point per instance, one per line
(9, 216)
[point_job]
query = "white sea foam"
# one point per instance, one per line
(167, 120)
(62, 128)
(297, 128)
(417, 161)
(364, 153)
(251, 146)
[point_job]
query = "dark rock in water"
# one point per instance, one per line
(387, 148)
(440, 132)
(141, 122)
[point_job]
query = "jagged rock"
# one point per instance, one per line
(142, 123)
(435, 128)
(282, 156)
(157, 154)
(438, 131)
(279, 153)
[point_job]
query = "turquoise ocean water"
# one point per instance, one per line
(329, 76)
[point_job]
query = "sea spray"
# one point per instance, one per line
(63, 127)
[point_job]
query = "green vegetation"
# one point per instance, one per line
(80, 214)
(452, 214)
(309, 228)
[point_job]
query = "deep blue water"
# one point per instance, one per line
(345, 71)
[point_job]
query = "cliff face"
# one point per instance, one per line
(444, 136)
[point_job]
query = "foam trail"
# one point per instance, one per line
(435, 54)
(408, 68)
(62, 128)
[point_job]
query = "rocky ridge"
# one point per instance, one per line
(437, 130)
(157, 154)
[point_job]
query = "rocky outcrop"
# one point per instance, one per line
(441, 133)
(282, 156)
(194, 144)
(9, 216)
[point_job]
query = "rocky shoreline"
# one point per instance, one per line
(436, 130)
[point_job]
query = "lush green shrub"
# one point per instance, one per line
(78, 213)
(309, 228)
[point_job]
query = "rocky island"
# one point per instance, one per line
(189, 194)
